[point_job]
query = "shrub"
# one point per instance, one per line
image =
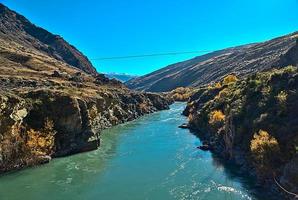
(290, 69)
(41, 142)
(223, 93)
(265, 151)
(143, 106)
(282, 97)
(181, 94)
(266, 90)
(177, 97)
(216, 116)
(229, 79)
(217, 85)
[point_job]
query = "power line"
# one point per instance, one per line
(285, 190)
(150, 55)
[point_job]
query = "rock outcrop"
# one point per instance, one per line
(75, 122)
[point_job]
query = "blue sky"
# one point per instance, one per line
(117, 28)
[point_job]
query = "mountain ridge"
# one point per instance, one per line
(242, 60)
(17, 28)
(123, 77)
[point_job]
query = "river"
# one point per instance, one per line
(149, 158)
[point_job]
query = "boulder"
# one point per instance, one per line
(205, 147)
(56, 74)
(184, 126)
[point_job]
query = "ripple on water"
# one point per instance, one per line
(150, 158)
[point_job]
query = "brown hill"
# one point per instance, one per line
(242, 60)
(15, 28)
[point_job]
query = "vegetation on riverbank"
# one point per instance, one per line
(181, 93)
(252, 122)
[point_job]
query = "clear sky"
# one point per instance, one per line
(105, 28)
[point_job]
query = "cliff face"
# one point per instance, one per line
(15, 28)
(202, 70)
(253, 123)
(38, 125)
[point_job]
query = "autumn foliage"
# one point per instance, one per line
(216, 116)
(41, 142)
(264, 149)
(229, 79)
(181, 94)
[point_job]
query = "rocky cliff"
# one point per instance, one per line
(36, 125)
(253, 122)
(212, 67)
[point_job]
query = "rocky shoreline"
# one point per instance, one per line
(252, 123)
(41, 124)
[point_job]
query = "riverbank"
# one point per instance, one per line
(148, 158)
(37, 125)
(252, 123)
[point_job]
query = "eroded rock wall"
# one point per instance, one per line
(38, 125)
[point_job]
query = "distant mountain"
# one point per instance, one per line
(16, 28)
(210, 67)
(120, 77)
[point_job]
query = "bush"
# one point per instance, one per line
(223, 94)
(217, 85)
(216, 116)
(282, 97)
(181, 94)
(229, 79)
(265, 151)
(41, 142)
(144, 107)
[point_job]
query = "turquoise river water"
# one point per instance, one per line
(149, 158)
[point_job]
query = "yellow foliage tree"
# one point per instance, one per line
(282, 97)
(265, 150)
(223, 94)
(217, 85)
(216, 116)
(230, 79)
(181, 94)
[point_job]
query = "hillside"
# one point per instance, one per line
(16, 31)
(52, 101)
(253, 123)
(242, 60)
